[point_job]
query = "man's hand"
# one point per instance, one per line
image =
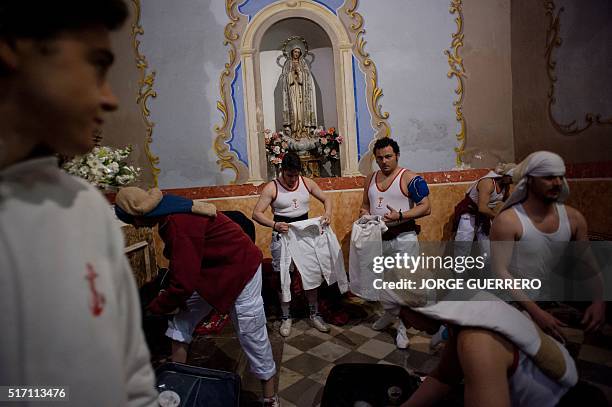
(325, 220)
(281, 227)
(549, 324)
(392, 215)
(594, 316)
(363, 212)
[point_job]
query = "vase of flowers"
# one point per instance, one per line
(277, 146)
(329, 144)
(328, 149)
(104, 167)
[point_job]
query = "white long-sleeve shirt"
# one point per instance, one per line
(70, 309)
(316, 252)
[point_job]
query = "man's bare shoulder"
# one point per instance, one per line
(408, 175)
(505, 225)
(573, 212)
(485, 183)
(576, 218)
(310, 183)
(269, 189)
(508, 217)
(368, 180)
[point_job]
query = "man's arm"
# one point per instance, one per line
(485, 187)
(422, 205)
(505, 231)
(185, 257)
(595, 315)
(485, 358)
(365, 203)
(440, 381)
(325, 199)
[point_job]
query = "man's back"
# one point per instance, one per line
(211, 255)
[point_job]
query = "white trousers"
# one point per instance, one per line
(466, 231)
(249, 321)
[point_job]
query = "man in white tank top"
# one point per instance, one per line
(535, 213)
(473, 215)
(400, 196)
(289, 198)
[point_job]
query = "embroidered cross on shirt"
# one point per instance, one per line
(96, 304)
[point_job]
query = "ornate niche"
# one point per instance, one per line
(245, 88)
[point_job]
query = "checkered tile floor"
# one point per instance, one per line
(305, 358)
(309, 355)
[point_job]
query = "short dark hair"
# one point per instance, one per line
(45, 19)
(386, 142)
(291, 162)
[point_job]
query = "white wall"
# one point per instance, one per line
(184, 43)
(406, 40)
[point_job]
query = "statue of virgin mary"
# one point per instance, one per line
(299, 98)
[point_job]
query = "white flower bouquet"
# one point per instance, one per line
(276, 146)
(104, 167)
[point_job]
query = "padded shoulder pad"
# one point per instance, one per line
(418, 189)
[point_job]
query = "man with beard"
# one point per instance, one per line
(536, 218)
(399, 196)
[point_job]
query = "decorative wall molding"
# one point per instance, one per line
(227, 158)
(553, 40)
(145, 91)
(354, 24)
(455, 62)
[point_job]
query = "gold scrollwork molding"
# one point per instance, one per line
(227, 158)
(553, 40)
(455, 62)
(145, 91)
(355, 27)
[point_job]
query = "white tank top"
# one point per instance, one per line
(538, 253)
(291, 203)
(494, 198)
(392, 196)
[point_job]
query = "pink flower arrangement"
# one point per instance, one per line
(276, 146)
(329, 143)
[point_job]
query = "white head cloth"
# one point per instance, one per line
(538, 164)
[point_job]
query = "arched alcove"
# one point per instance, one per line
(257, 39)
(321, 64)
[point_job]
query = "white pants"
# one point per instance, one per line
(249, 321)
(466, 231)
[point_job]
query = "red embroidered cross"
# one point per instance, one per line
(97, 302)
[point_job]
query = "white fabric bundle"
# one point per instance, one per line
(366, 243)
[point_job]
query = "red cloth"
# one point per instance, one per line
(212, 256)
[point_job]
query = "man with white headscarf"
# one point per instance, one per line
(535, 217)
